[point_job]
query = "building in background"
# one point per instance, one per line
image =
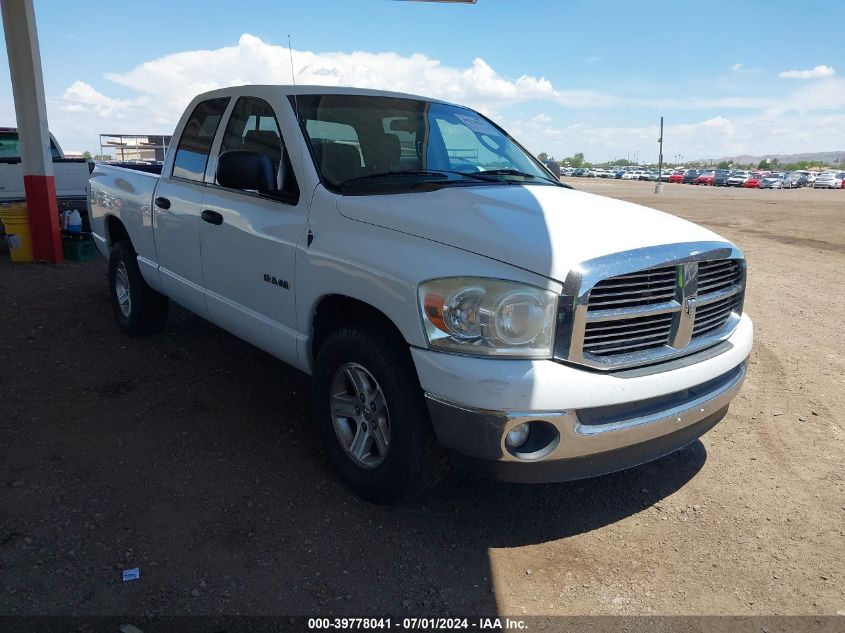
(146, 147)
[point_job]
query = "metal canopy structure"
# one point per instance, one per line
(136, 146)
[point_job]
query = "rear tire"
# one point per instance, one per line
(402, 458)
(138, 308)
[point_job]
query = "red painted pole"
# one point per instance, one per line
(43, 211)
(33, 131)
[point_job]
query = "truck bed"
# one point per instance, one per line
(126, 192)
(145, 167)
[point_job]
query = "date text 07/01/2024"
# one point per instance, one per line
(416, 623)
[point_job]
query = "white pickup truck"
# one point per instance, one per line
(70, 174)
(448, 295)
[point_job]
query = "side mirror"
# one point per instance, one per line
(243, 169)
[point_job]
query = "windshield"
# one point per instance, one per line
(359, 140)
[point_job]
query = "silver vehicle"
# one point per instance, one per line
(829, 180)
(774, 181)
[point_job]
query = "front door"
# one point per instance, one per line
(249, 239)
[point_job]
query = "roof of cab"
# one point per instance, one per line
(289, 90)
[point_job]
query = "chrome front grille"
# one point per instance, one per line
(623, 315)
(718, 275)
(712, 317)
(606, 338)
(643, 288)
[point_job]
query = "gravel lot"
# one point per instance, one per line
(191, 455)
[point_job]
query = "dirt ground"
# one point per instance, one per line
(191, 455)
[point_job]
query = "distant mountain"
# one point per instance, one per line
(827, 157)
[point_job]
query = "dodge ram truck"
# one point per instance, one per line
(449, 296)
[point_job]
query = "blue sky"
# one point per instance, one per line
(562, 76)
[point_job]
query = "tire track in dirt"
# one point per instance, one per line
(767, 383)
(780, 238)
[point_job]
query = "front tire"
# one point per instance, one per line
(372, 417)
(138, 308)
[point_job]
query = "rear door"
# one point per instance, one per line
(177, 207)
(249, 239)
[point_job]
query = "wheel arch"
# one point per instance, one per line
(115, 231)
(333, 311)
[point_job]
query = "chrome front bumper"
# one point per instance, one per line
(588, 442)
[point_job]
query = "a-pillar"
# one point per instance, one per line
(33, 131)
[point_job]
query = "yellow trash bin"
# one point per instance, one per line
(15, 219)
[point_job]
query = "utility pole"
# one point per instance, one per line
(659, 187)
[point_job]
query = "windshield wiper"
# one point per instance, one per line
(425, 173)
(521, 174)
(483, 176)
(507, 172)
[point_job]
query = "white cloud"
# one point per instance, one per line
(164, 86)
(711, 137)
(182, 75)
(83, 97)
(742, 69)
(814, 73)
(825, 94)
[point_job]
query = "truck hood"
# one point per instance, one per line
(546, 230)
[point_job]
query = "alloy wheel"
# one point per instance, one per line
(360, 415)
(121, 290)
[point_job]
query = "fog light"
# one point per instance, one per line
(517, 436)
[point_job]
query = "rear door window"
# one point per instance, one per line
(195, 143)
(10, 146)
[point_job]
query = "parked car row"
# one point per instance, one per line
(621, 173)
(831, 179)
(746, 179)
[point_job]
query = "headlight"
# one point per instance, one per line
(489, 317)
